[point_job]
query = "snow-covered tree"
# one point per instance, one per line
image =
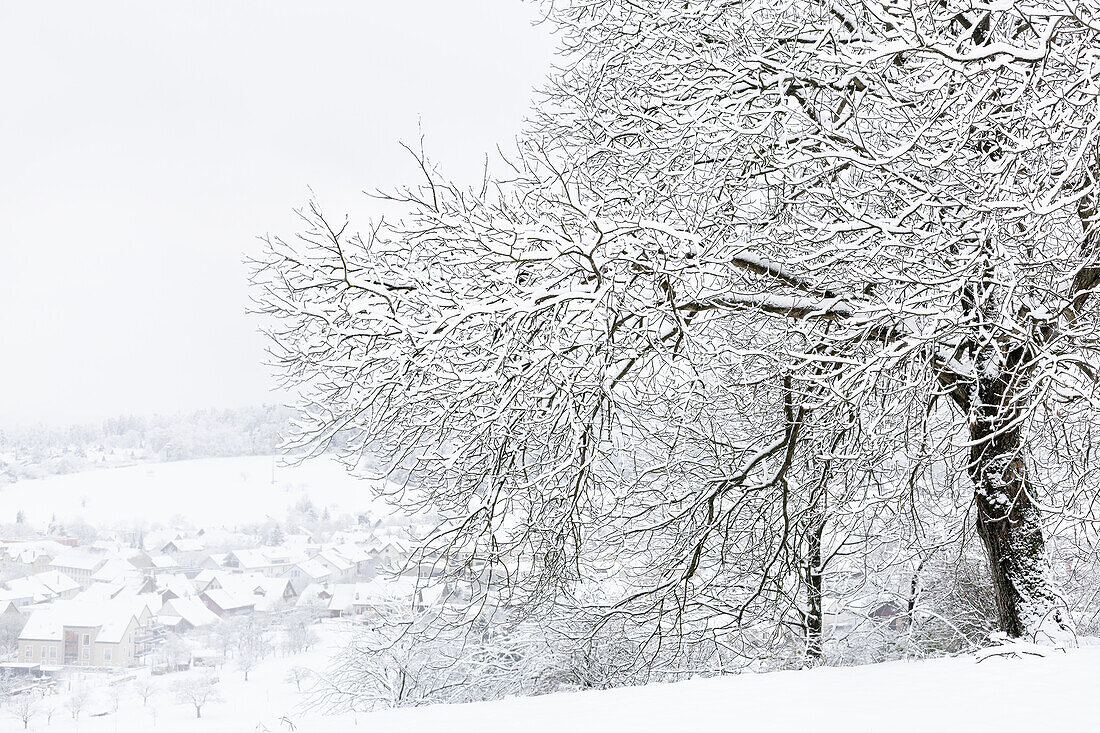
(764, 285)
(24, 706)
(197, 691)
(145, 687)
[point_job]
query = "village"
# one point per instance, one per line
(128, 609)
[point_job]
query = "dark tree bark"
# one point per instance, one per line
(815, 642)
(1008, 520)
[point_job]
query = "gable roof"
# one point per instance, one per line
(335, 560)
(314, 569)
(163, 562)
(228, 600)
(40, 586)
(190, 610)
(183, 545)
(81, 558)
(114, 569)
(112, 618)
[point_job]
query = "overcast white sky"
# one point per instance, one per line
(144, 145)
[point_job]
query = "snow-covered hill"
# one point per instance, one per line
(1051, 694)
(214, 491)
(1056, 693)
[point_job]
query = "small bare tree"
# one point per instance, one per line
(198, 691)
(78, 699)
(145, 687)
(298, 675)
(24, 705)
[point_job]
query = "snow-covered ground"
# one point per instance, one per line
(267, 698)
(214, 491)
(1055, 693)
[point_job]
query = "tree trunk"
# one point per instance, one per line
(815, 644)
(1009, 522)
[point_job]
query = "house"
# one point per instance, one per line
(29, 556)
(114, 570)
(341, 602)
(163, 563)
(891, 613)
(184, 614)
(40, 588)
(81, 563)
(181, 546)
(10, 615)
(358, 556)
(215, 561)
(246, 593)
(84, 634)
(314, 596)
(354, 599)
(307, 573)
(226, 603)
(342, 569)
(173, 585)
(272, 562)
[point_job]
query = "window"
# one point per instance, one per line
(30, 653)
(43, 652)
(84, 654)
(87, 638)
(53, 652)
(106, 655)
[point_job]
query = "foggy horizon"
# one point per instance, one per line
(147, 148)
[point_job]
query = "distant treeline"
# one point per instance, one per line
(42, 451)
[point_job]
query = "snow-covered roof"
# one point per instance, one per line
(335, 560)
(114, 569)
(40, 586)
(251, 558)
(112, 618)
(183, 545)
(191, 610)
(29, 551)
(352, 552)
(343, 597)
(314, 594)
(229, 600)
(314, 569)
(163, 562)
(81, 558)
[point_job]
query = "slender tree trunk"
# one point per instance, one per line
(815, 643)
(1009, 522)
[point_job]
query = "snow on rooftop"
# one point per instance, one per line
(111, 617)
(191, 610)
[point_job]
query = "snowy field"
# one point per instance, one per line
(215, 491)
(1028, 694)
(1050, 694)
(260, 704)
